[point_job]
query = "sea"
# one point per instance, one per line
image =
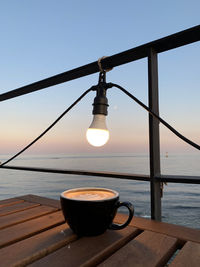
(180, 202)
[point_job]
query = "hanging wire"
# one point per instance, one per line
(156, 116)
(108, 85)
(51, 126)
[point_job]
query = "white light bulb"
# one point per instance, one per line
(98, 134)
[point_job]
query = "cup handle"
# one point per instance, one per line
(130, 208)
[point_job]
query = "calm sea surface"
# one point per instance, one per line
(180, 203)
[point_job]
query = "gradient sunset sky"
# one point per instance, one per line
(40, 39)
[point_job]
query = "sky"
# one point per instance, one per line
(40, 39)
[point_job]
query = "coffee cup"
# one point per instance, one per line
(90, 211)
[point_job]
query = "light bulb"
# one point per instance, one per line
(98, 134)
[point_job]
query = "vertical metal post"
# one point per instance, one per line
(154, 140)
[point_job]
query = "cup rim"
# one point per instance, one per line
(90, 188)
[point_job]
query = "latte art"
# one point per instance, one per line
(89, 194)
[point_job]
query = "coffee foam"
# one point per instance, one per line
(90, 194)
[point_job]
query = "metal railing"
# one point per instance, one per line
(150, 51)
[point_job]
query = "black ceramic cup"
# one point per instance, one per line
(90, 211)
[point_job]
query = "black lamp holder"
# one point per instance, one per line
(100, 105)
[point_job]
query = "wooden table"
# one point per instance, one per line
(33, 232)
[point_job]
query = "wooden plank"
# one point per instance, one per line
(25, 215)
(17, 208)
(31, 249)
(41, 200)
(189, 256)
(24, 230)
(180, 232)
(147, 249)
(88, 250)
(9, 202)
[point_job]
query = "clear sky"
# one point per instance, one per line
(42, 38)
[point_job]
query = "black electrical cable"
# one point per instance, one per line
(93, 88)
(44, 132)
(156, 116)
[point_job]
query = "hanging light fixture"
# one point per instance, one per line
(98, 134)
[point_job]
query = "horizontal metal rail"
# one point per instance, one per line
(127, 176)
(179, 179)
(161, 45)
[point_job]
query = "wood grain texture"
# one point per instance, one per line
(41, 200)
(189, 256)
(180, 232)
(88, 250)
(25, 215)
(24, 230)
(9, 202)
(17, 207)
(177, 231)
(36, 247)
(33, 233)
(147, 249)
